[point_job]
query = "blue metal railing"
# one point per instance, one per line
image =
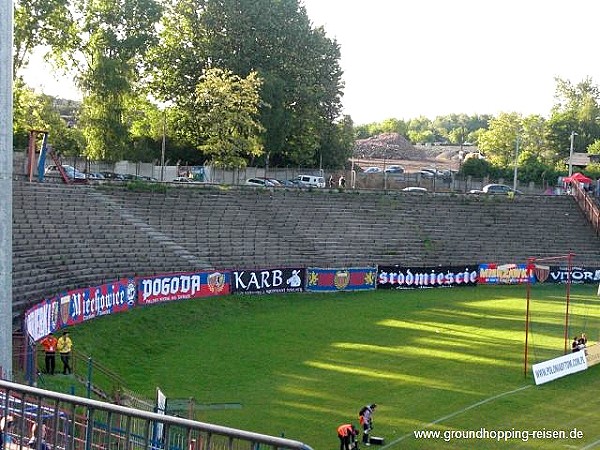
(76, 423)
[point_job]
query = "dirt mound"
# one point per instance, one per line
(386, 145)
(395, 147)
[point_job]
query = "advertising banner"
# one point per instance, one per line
(559, 367)
(182, 286)
(267, 281)
(396, 277)
(349, 279)
(592, 354)
(79, 305)
(560, 274)
(503, 274)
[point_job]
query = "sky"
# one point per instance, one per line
(404, 59)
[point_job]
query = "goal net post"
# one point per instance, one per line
(547, 315)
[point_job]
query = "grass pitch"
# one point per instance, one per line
(439, 360)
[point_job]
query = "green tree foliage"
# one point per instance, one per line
(299, 66)
(114, 37)
(455, 129)
(458, 129)
(498, 144)
(40, 23)
(594, 148)
(221, 117)
(375, 128)
(38, 112)
(420, 131)
(477, 168)
(532, 168)
(593, 171)
(337, 144)
(536, 160)
(576, 109)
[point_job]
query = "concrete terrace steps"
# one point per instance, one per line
(76, 236)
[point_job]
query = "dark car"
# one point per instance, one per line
(394, 169)
(112, 176)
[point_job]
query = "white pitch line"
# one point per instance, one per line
(592, 445)
(457, 413)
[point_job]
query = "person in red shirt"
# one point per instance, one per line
(347, 434)
(49, 344)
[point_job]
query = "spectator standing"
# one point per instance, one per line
(6, 424)
(575, 345)
(331, 182)
(342, 181)
(33, 437)
(365, 416)
(49, 343)
(65, 346)
(347, 434)
(582, 341)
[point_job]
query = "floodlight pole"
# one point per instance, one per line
(6, 175)
(163, 146)
(573, 134)
(516, 168)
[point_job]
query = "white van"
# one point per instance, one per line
(311, 180)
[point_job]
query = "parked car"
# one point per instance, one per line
(496, 189)
(418, 189)
(112, 176)
(430, 173)
(394, 169)
(260, 182)
(273, 181)
(95, 176)
(372, 170)
(71, 172)
(293, 183)
(312, 180)
(182, 180)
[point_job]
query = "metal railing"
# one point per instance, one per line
(68, 422)
(587, 205)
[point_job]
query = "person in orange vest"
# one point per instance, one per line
(347, 434)
(49, 344)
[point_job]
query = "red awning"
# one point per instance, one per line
(579, 178)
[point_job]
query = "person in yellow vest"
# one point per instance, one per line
(65, 346)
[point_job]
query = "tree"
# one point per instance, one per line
(498, 143)
(576, 109)
(221, 117)
(594, 148)
(509, 131)
(38, 112)
(477, 167)
(38, 23)
(298, 65)
(420, 130)
(338, 144)
(114, 37)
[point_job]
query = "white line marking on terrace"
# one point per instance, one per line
(457, 413)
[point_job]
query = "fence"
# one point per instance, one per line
(68, 422)
(587, 205)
